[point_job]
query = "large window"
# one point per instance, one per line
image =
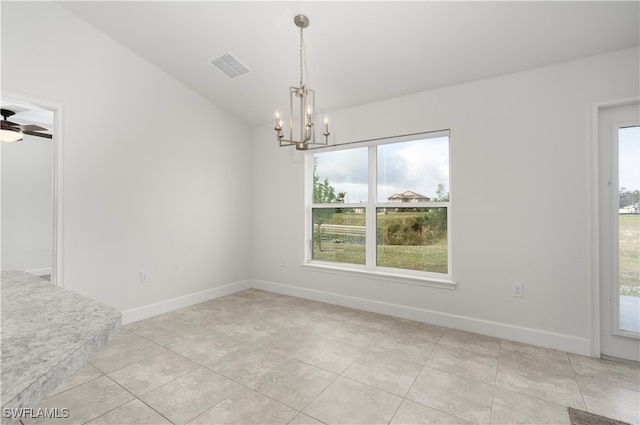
(382, 206)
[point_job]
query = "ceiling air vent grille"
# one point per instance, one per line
(230, 65)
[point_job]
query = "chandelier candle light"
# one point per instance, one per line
(302, 99)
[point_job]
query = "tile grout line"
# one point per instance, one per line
(302, 331)
(351, 321)
(174, 379)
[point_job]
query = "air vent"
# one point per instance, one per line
(230, 65)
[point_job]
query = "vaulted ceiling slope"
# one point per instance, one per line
(357, 52)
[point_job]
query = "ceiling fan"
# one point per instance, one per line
(12, 132)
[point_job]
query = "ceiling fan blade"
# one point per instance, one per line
(26, 127)
(35, 133)
(29, 129)
(8, 124)
(32, 127)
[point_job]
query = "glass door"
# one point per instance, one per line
(619, 231)
(628, 226)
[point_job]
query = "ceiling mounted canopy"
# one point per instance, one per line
(302, 101)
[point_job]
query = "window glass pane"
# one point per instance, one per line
(416, 171)
(412, 238)
(629, 227)
(339, 235)
(340, 176)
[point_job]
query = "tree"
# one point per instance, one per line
(323, 193)
(340, 200)
(628, 197)
(441, 195)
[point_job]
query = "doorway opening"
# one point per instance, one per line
(618, 230)
(30, 219)
(628, 229)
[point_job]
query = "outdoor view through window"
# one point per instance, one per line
(629, 227)
(394, 205)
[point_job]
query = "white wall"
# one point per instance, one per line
(27, 214)
(520, 175)
(146, 162)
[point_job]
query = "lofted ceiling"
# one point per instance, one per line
(357, 52)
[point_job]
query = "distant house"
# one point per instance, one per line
(408, 196)
(630, 209)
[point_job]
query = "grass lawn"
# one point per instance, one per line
(433, 258)
(430, 258)
(351, 250)
(630, 254)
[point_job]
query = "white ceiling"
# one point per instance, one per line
(27, 113)
(357, 52)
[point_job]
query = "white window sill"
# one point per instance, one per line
(434, 282)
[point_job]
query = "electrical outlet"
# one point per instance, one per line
(517, 290)
(145, 276)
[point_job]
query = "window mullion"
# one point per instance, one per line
(371, 209)
(308, 203)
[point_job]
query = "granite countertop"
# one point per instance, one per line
(47, 333)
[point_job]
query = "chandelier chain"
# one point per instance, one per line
(301, 55)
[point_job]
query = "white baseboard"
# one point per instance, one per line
(562, 342)
(44, 271)
(150, 310)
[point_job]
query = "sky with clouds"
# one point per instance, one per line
(418, 166)
(421, 165)
(629, 158)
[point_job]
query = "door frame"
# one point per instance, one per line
(594, 217)
(57, 261)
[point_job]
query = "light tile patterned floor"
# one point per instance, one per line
(260, 358)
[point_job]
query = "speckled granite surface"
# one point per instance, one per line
(47, 333)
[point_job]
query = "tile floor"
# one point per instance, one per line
(258, 357)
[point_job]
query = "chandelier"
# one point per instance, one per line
(302, 100)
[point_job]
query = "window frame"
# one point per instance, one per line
(370, 269)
